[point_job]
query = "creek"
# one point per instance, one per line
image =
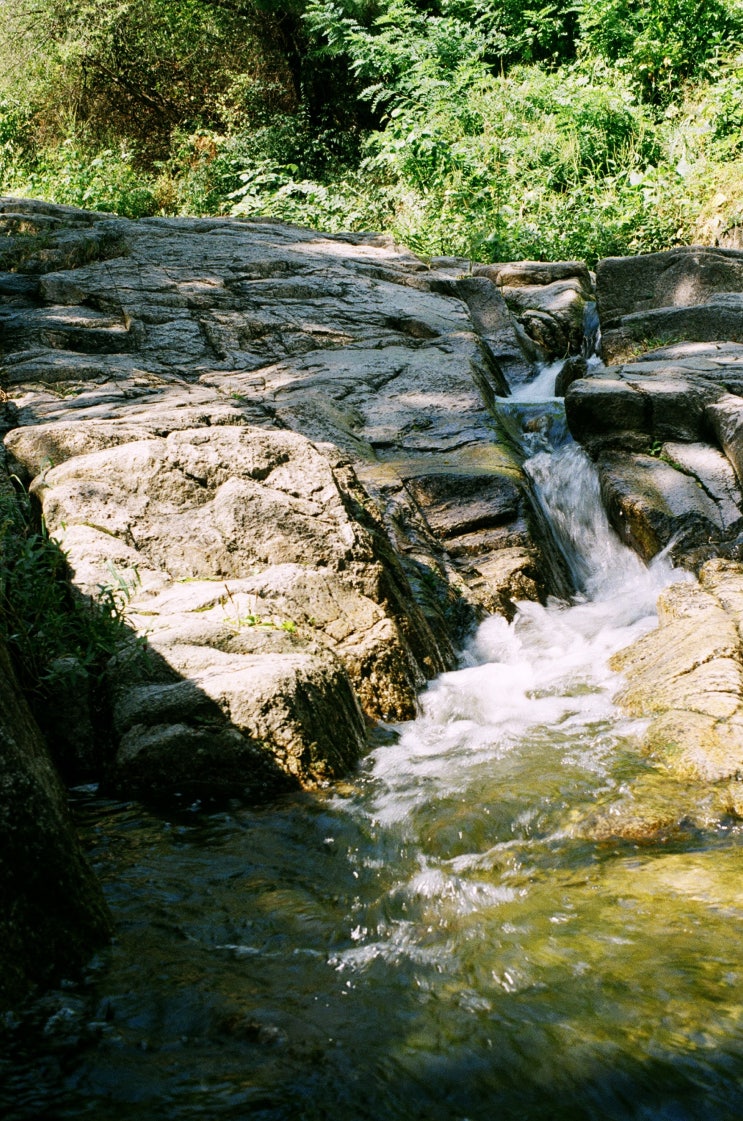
(439, 938)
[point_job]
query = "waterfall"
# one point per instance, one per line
(544, 676)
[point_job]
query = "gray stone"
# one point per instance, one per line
(245, 409)
(653, 506)
(679, 278)
(656, 299)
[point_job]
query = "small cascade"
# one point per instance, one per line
(445, 936)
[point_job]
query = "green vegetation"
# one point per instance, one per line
(60, 642)
(483, 128)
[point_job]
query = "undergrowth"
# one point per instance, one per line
(470, 127)
(61, 643)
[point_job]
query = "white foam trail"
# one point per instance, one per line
(543, 675)
(540, 388)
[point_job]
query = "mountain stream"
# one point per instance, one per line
(440, 938)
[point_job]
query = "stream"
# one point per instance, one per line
(439, 938)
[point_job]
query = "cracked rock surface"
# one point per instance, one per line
(284, 445)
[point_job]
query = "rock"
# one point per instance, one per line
(552, 314)
(293, 719)
(688, 677)
(726, 419)
(636, 405)
(712, 471)
(524, 274)
(572, 369)
(549, 300)
(721, 318)
(684, 277)
(52, 915)
(654, 506)
(507, 349)
(255, 431)
(654, 298)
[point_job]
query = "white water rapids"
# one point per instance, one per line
(547, 670)
(445, 938)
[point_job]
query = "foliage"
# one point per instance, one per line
(481, 128)
(662, 44)
(99, 180)
(55, 638)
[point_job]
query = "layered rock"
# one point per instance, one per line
(281, 448)
(548, 299)
(690, 293)
(663, 421)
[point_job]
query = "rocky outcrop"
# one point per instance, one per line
(548, 299)
(664, 425)
(281, 448)
(691, 293)
(52, 914)
(687, 676)
(662, 421)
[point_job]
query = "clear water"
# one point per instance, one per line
(440, 939)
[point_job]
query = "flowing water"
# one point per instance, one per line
(440, 939)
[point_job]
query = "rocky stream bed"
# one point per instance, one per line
(315, 465)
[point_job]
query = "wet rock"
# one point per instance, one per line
(234, 421)
(572, 369)
(52, 914)
(653, 505)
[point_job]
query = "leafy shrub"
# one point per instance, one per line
(71, 174)
(663, 44)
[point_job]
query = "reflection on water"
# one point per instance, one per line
(439, 940)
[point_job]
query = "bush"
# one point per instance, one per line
(72, 174)
(661, 45)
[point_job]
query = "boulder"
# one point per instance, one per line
(690, 293)
(52, 914)
(548, 299)
(654, 506)
(637, 405)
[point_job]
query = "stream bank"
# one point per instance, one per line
(293, 457)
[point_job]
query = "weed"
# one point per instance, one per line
(251, 619)
(55, 637)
